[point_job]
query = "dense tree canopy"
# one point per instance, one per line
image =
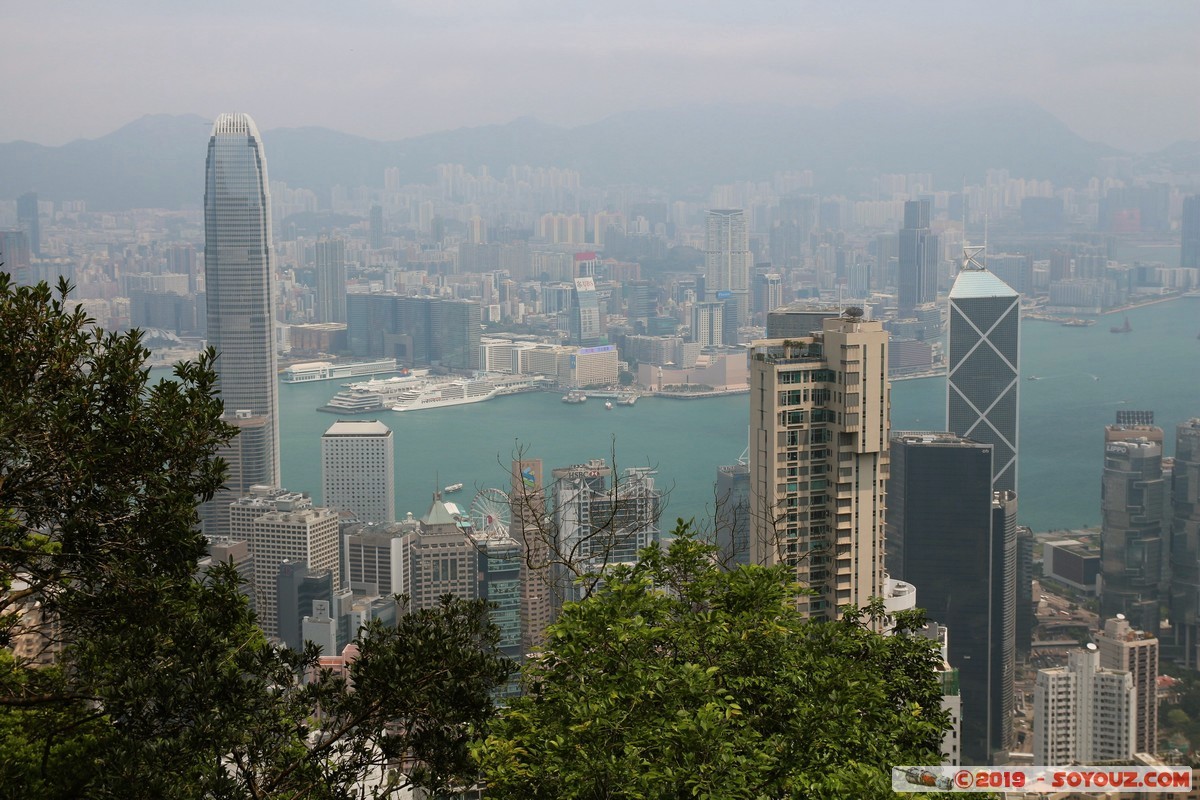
(123, 673)
(677, 679)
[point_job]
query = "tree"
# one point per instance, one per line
(677, 679)
(123, 673)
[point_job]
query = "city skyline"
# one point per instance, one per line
(1114, 73)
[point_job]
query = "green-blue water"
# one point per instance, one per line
(1157, 367)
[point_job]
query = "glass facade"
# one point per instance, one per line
(238, 276)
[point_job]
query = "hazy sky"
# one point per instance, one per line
(1125, 73)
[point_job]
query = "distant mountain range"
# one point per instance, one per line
(158, 160)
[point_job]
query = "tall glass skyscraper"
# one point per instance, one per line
(918, 248)
(984, 372)
(241, 322)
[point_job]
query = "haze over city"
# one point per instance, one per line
(1123, 74)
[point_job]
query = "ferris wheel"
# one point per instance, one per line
(491, 512)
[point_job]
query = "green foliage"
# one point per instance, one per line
(122, 672)
(676, 679)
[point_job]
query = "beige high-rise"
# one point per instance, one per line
(1122, 647)
(819, 428)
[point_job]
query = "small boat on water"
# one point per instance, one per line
(1123, 329)
(608, 404)
(452, 488)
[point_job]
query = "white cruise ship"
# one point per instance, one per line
(377, 395)
(452, 393)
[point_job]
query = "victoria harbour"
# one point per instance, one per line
(1073, 382)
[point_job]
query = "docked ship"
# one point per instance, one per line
(627, 399)
(440, 395)
(1079, 323)
(367, 397)
(574, 398)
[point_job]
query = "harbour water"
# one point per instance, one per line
(1084, 375)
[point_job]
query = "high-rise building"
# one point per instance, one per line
(818, 458)
(597, 523)
(585, 323)
(798, 319)
(416, 331)
(1132, 532)
(358, 472)
(918, 262)
(1083, 713)
(14, 256)
(529, 527)
(731, 519)
(245, 457)
(331, 280)
(984, 366)
(298, 587)
(238, 280)
(440, 558)
(29, 220)
(1185, 543)
(950, 536)
(1189, 224)
(375, 228)
(727, 266)
(1136, 652)
(283, 526)
(708, 324)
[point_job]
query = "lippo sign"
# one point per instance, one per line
(1041, 779)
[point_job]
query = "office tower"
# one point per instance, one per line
(331, 280)
(641, 304)
(1122, 648)
(732, 516)
(500, 577)
(1132, 526)
(585, 322)
(529, 527)
(768, 293)
(245, 457)
(984, 365)
(1083, 713)
(375, 228)
(372, 557)
(297, 588)
(708, 324)
(918, 257)
(1189, 254)
(358, 469)
(238, 280)
(283, 526)
(416, 331)
(1185, 543)
(1026, 616)
(818, 458)
(596, 523)
(29, 221)
(727, 263)
(439, 558)
(952, 538)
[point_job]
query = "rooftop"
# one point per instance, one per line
(979, 283)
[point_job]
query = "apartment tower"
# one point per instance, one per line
(358, 469)
(818, 459)
(727, 267)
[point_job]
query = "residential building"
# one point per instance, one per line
(727, 267)
(818, 459)
(1083, 713)
(1124, 648)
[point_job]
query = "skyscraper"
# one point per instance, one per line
(952, 538)
(1083, 713)
(358, 471)
(1132, 526)
(1185, 543)
(416, 331)
(984, 370)
(29, 221)
(818, 458)
(918, 263)
(727, 263)
(331, 280)
(1189, 253)
(585, 313)
(1136, 652)
(239, 285)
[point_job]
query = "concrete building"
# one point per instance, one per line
(1133, 530)
(918, 257)
(798, 319)
(983, 381)
(1083, 713)
(1125, 649)
(330, 257)
(592, 366)
(731, 519)
(358, 469)
(297, 588)
(818, 459)
(727, 266)
(239, 281)
(529, 528)
(708, 324)
(416, 331)
(585, 320)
